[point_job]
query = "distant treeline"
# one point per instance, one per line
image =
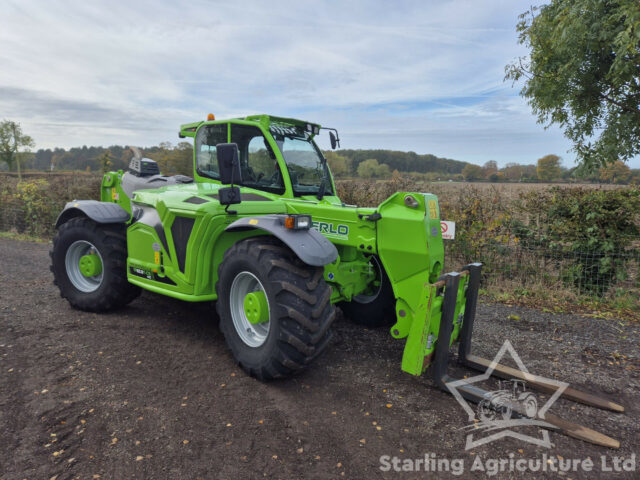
(94, 158)
(371, 164)
(404, 161)
(172, 159)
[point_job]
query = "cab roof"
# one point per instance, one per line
(189, 129)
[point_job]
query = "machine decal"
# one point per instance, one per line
(332, 230)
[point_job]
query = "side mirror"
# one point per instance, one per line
(332, 137)
(228, 164)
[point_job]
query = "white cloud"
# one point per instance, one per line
(410, 75)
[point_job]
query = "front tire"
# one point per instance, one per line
(285, 323)
(77, 244)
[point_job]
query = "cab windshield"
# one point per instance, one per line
(307, 167)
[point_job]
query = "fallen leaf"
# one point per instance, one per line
(339, 465)
(91, 410)
(228, 424)
(114, 440)
(185, 442)
(300, 450)
(139, 458)
(363, 440)
(378, 428)
(275, 457)
(520, 450)
(260, 422)
(389, 405)
(83, 421)
(137, 442)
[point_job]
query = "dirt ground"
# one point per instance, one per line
(151, 391)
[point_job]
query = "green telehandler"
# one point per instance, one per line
(260, 230)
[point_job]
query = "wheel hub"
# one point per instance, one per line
(256, 307)
(90, 265)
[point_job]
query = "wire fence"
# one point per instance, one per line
(533, 263)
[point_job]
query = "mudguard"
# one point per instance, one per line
(99, 212)
(309, 245)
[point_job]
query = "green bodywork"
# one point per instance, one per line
(406, 237)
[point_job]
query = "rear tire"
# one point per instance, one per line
(376, 309)
(108, 290)
(300, 312)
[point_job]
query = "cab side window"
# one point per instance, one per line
(258, 163)
(206, 155)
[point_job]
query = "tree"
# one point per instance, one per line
(105, 161)
(472, 172)
(11, 140)
(582, 74)
(513, 171)
(489, 168)
(383, 171)
(549, 168)
(338, 164)
(619, 172)
(368, 168)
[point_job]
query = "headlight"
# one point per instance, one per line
(297, 222)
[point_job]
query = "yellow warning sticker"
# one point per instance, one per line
(156, 258)
(253, 221)
(114, 194)
(433, 209)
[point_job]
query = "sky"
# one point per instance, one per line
(422, 76)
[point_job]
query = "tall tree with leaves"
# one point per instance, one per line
(11, 141)
(548, 168)
(583, 73)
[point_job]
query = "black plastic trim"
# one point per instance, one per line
(99, 212)
(181, 231)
